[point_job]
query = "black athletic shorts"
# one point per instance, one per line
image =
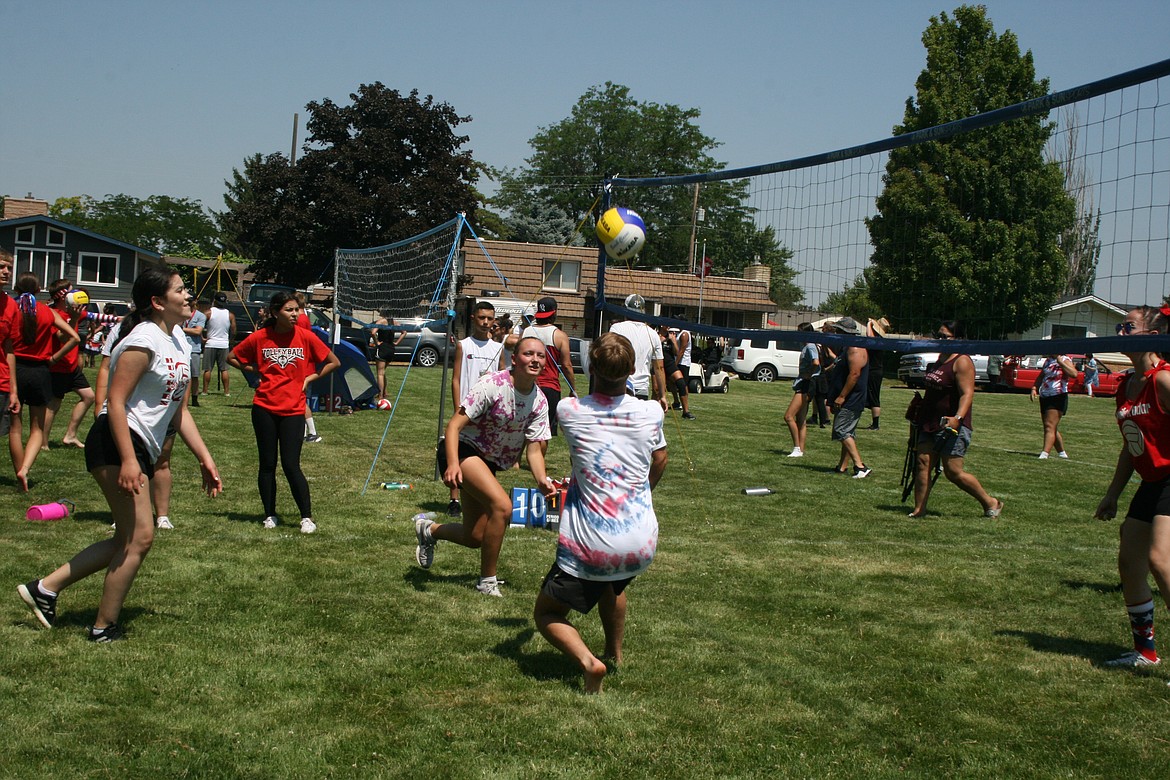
(100, 449)
(553, 397)
(1057, 402)
(63, 384)
(34, 382)
(581, 595)
(465, 451)
(1151, 498)
(384, 351)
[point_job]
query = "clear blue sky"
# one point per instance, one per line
(165, 98)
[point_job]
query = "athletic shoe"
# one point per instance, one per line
(111, 633)
(797, 452)
(1043, 456)
(993, 513)
(424, 553)
(164, 522)
(312, 438)
(308, 526)
(676, 406)
(454, 509)
(489, 588)
(862, 472)
(688, 416)
(1132, 660)
(269, 522)
(44, 607)
(1062, 454)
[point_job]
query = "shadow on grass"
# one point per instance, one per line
(546, 664)
(1098, 587)
(422, 580)
(1097, 653)
(81, 618)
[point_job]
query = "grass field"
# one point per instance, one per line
(812, 633)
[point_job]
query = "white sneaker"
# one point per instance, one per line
(1062, 454)
(164, 522)
(489, 588)
(1043, 456)
(308, 526)
(1132, 660)
(270, 522)
(797, 452)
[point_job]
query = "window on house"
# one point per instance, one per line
(47, 264)
(56, 237)
(24, 235)
(1069, 331)
(97, 269)
(561, 275)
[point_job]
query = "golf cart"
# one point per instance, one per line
(707, 374)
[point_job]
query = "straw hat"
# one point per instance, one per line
(878, 328)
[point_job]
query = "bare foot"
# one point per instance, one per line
(22, 478)
(595, 677)
(74, 442)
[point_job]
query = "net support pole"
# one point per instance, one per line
(450, 333)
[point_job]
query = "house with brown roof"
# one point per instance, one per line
(515, 275)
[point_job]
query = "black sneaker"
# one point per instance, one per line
(111, 633)
(454, 509)
(677, 405)
(44, 607)
(688, 416)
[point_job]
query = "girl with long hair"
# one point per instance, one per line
(36, 349)
(286, 358)
(149, 376)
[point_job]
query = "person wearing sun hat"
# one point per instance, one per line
(875, 329)
(558, 357)
(847, 385)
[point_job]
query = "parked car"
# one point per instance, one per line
(1019, 373)
(912, 368)
(262, 292)
(579, 355)
(433, 345)
(764, 360)
(350, 333)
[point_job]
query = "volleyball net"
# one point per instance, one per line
(935, 225)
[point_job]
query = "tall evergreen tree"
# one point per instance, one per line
(969, 227)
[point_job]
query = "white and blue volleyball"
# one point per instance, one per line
(622, 233)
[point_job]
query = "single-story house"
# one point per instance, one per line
(515, 275)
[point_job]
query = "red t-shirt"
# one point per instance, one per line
(69, 363)
(1145, 427)
(44, 344)
(9, 329)
(284, 360)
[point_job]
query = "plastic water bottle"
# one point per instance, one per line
(395, 486)
(425, 516)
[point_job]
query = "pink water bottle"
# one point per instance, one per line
(53, 511)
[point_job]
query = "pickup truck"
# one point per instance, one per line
(912, 368)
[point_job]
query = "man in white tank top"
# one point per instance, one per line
(220, 330)
(475, 356)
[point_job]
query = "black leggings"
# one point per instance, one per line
(286, 433)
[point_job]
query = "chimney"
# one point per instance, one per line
(758, 272)
(14, 208)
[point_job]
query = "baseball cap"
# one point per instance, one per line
(546, 308)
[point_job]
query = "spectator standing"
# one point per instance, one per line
(648, 375)
(287, 358)
(193, 329)
(875, 329)
(9, 325)
(221, 331)
(796, 415)
(1092, 373)
(385, 339)
(559, 361)
(847, 385)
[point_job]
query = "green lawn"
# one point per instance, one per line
(812, 633)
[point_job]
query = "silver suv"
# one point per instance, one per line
(912, 368)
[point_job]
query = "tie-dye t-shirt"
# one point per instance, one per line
(503, 419)
(608, 527)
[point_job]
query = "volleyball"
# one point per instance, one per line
(622, 232)
(384, 404)
(77, 298)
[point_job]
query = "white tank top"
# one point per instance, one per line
(218, 328)
(479, 358)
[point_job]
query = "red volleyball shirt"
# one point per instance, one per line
(1145, 427)
(284, 360)
(9, 329)
(44, 344)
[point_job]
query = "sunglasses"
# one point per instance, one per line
(943, 336)
(1130, 328)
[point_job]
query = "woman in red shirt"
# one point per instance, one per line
(36, 349)
(286, 358)
(1143, 413)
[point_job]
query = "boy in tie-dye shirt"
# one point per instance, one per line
(609, 531)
